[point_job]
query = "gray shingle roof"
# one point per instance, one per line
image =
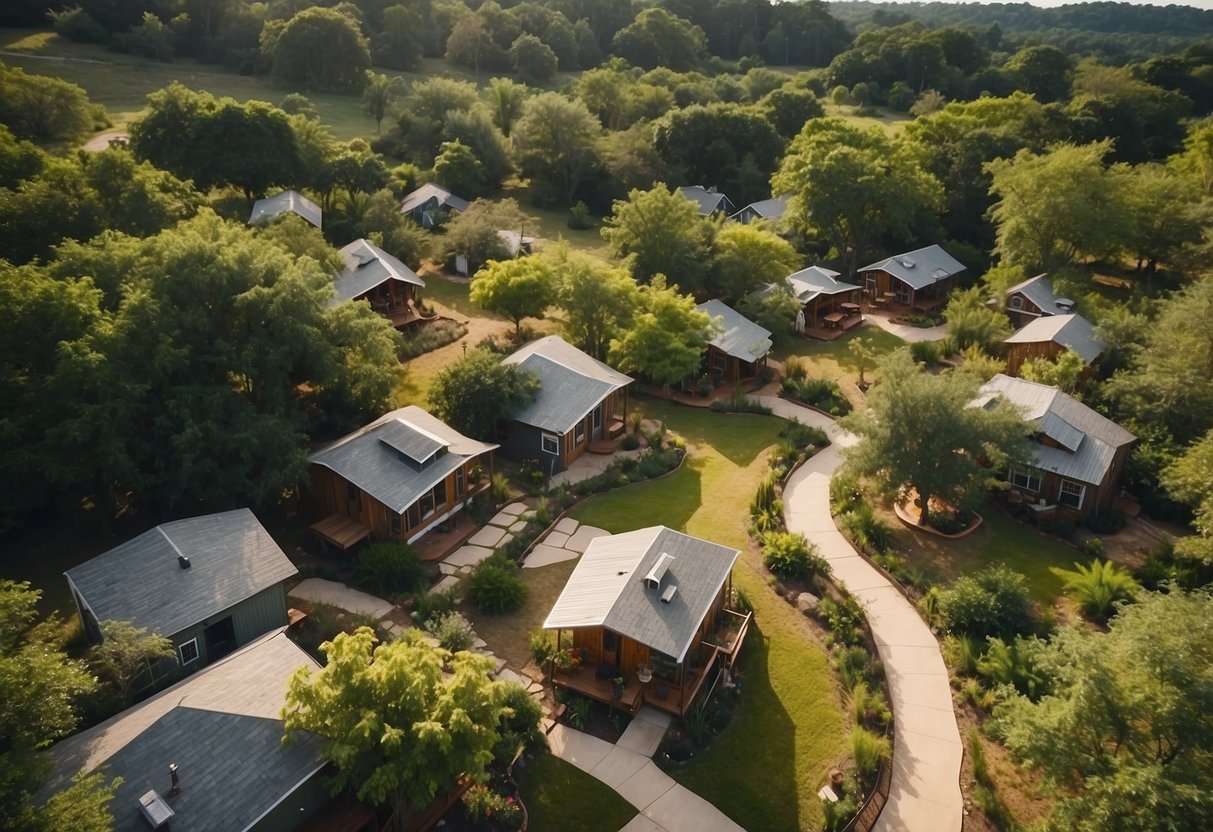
(293, 201)
(221, 725)
(367, 266)
(709, 200)
(807, 284)
(1039, 290)
(1093, 438)
(232, 558)
(370, 457)
(1074, 332)
(767, 209)
(434, 191)
(607, 588)
(571, 383)
(739, 337)
(919, 268)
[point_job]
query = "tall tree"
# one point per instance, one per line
(709, 144)
(515, 289)
(1057, 207)
(971, 321)
(1124, 736)
(476, 391)
(667, 337)
(660, 232)
(855, 187)
(42, 108)
(505, 98)
(1045, 71)
(1190, 480)
(533, 60)
(657, 38)
(747, 257)
(475, 233)
(921, 432)
(598, 301)
(555, 140)
(397, 729)
(378, 94)
(322, 49)
(125, 653)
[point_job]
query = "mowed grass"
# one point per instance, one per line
(833, 360)
(560, 796)
(765, 768)
(509, 635)
(890, 121)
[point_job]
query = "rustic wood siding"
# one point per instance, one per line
(1018, 354)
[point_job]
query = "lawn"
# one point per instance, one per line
(890, 121)
(558, 795)
(509, 635)
(789, 728)
(832, 359)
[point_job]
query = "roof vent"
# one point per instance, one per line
(183, 561)
(668, 595)
(172, 776)
(908, 263)
(155, 810)
(1065, 304)
(653, 579)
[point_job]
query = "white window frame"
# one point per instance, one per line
(1016, 302)
(545, 438)
(904, 293)
(181, 652)
(579, 434)
(1028, 475)
(1062, 493)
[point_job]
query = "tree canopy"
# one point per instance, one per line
(555, 141)
(476, 391)
(598, 301)
(321, 49)
(667, 337)
(515, 289)
(659, 231)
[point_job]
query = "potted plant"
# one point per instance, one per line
(617, 685)
(645, 674)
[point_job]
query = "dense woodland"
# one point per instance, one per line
(161, 356)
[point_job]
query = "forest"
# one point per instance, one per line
(163, 358)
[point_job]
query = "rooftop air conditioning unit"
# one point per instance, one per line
(668, 595)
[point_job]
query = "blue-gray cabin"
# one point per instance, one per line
(431, 204)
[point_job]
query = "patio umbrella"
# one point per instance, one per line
(800, 320)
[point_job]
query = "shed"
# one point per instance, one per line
(1034, 298)
(210, 583)
(430, 204)
(739, 348)
(1049, 336)
(292, 202)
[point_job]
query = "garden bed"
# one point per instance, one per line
(941, 517)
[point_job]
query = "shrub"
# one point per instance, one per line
(495, 587)
(821, 393)
(962, 653)
(869, 706)
(863, 526)
(428, 605)
(795, 368)
(1092, 546)
(500, 487)
(803, 436)
(630, 442)
(429, 337)
(845, 491)
(764, 497)
(925, 352)
(1013, 663)
(389, 568)
(577, 710)
(837, 815)
(77, 25)
(1058, 527)
(845, 620)
(453, 631)
(579, 217)
(852, 664)
(484, 805)
(1098, 588)
(992, 602)
(790, 555)
(520, 726)
(949, 522)
(869, 750)
(1107, 521)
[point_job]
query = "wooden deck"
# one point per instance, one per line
(834, 326)
(341, 531)
(584, 679)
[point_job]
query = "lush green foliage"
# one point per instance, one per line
(791, 555)
(659, 231)
(1099, 587)
(42, 108)
(453, 631)
(992, 602)
(1189, 480)
(666, 338)
(319, 49)
(515, 289)
(390, 568)
(494, 586)
(125, 653)
(598, 301)
(474, 392)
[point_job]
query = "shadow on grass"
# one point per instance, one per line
(666, 502)
(558, 795)
(749, 772)
(738, 437)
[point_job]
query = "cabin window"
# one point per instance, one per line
(1071, 494)
(1016, 302)
(580, 437)
(459, 483)
(663, 666)
(1025, 478)
(720, 362)
(598, 416)
(903, 293)
(414, 516)
(353, 495)
(188, 652)
(550, 443)
(427, 504)
(394, 524)
(869, 283)
(440, 494)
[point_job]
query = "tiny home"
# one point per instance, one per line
(431, 204)
(708, 200)
(771, 210)
(265, 210)
(1033, 299)
(210, 584)
(919, 279)
(1080, 455)
(395, 478)
(650, 617)
(739, 347)
(1048, 337)
(376, 277)
(207, 753)
(580, 400)
(827, 303)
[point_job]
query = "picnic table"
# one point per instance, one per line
(834, 318)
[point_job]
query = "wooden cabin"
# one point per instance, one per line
(653, 609)
(830, 306)
(379, 279)
(709, 201)
(1079, 454)
(920, 279)
(738, 350)
(581, 401)
(1048, 337)
(771, 210)
(430, 205)
(288, 202)
(1032, 299)
(395, 479)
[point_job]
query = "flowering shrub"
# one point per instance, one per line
(484, 804)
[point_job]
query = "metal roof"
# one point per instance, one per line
(807, 284)
(571, 383)
(709, 200)
(740, 337)
(231, 558)
(434, 191)
(367, 266)
(1093, 438)
(221, 725)
(607, 588)
(399, 456)
(1039, 290)
(293, 201)
(919, 268)
(768, 209)
(1074, 332)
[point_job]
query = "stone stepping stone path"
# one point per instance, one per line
(566, 541)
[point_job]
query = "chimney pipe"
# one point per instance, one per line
(183, 561)
(172, 775)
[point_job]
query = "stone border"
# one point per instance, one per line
(931, 530)
(807, 406)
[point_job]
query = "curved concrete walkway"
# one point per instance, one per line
(925, 795)
(905, 332)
